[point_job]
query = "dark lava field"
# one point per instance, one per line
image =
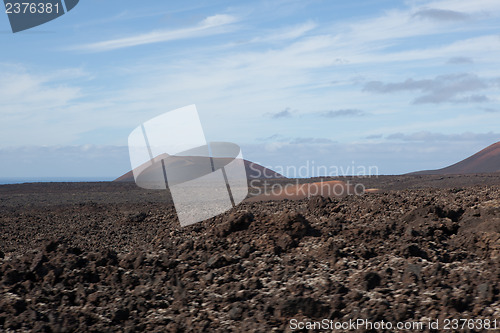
(110, 257)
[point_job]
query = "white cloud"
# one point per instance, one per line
(209, 26)
(448, 124)
(481, 7)
(217, 20)
(441, 15)
(426, 136)
(51, 108)
(23, 94)
(384, 157)
(343, 113)
(482, 48)
(286, 34)
(295, 69)
(450, 88)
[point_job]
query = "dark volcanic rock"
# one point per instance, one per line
(293, 224)
(137, 217)
(413, 250)
(371, 280)
(94, 261)
(235, 222)
(307, 306)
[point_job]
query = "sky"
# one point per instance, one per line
(397, 85)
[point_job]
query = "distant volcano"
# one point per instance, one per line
(253, 170)
(485, 161)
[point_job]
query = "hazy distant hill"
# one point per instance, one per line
(485, 161)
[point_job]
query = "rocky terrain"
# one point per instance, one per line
(110, 257)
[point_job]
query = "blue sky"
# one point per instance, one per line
(401, 85)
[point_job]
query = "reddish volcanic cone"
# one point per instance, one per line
(485, 161)
(253, 170)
